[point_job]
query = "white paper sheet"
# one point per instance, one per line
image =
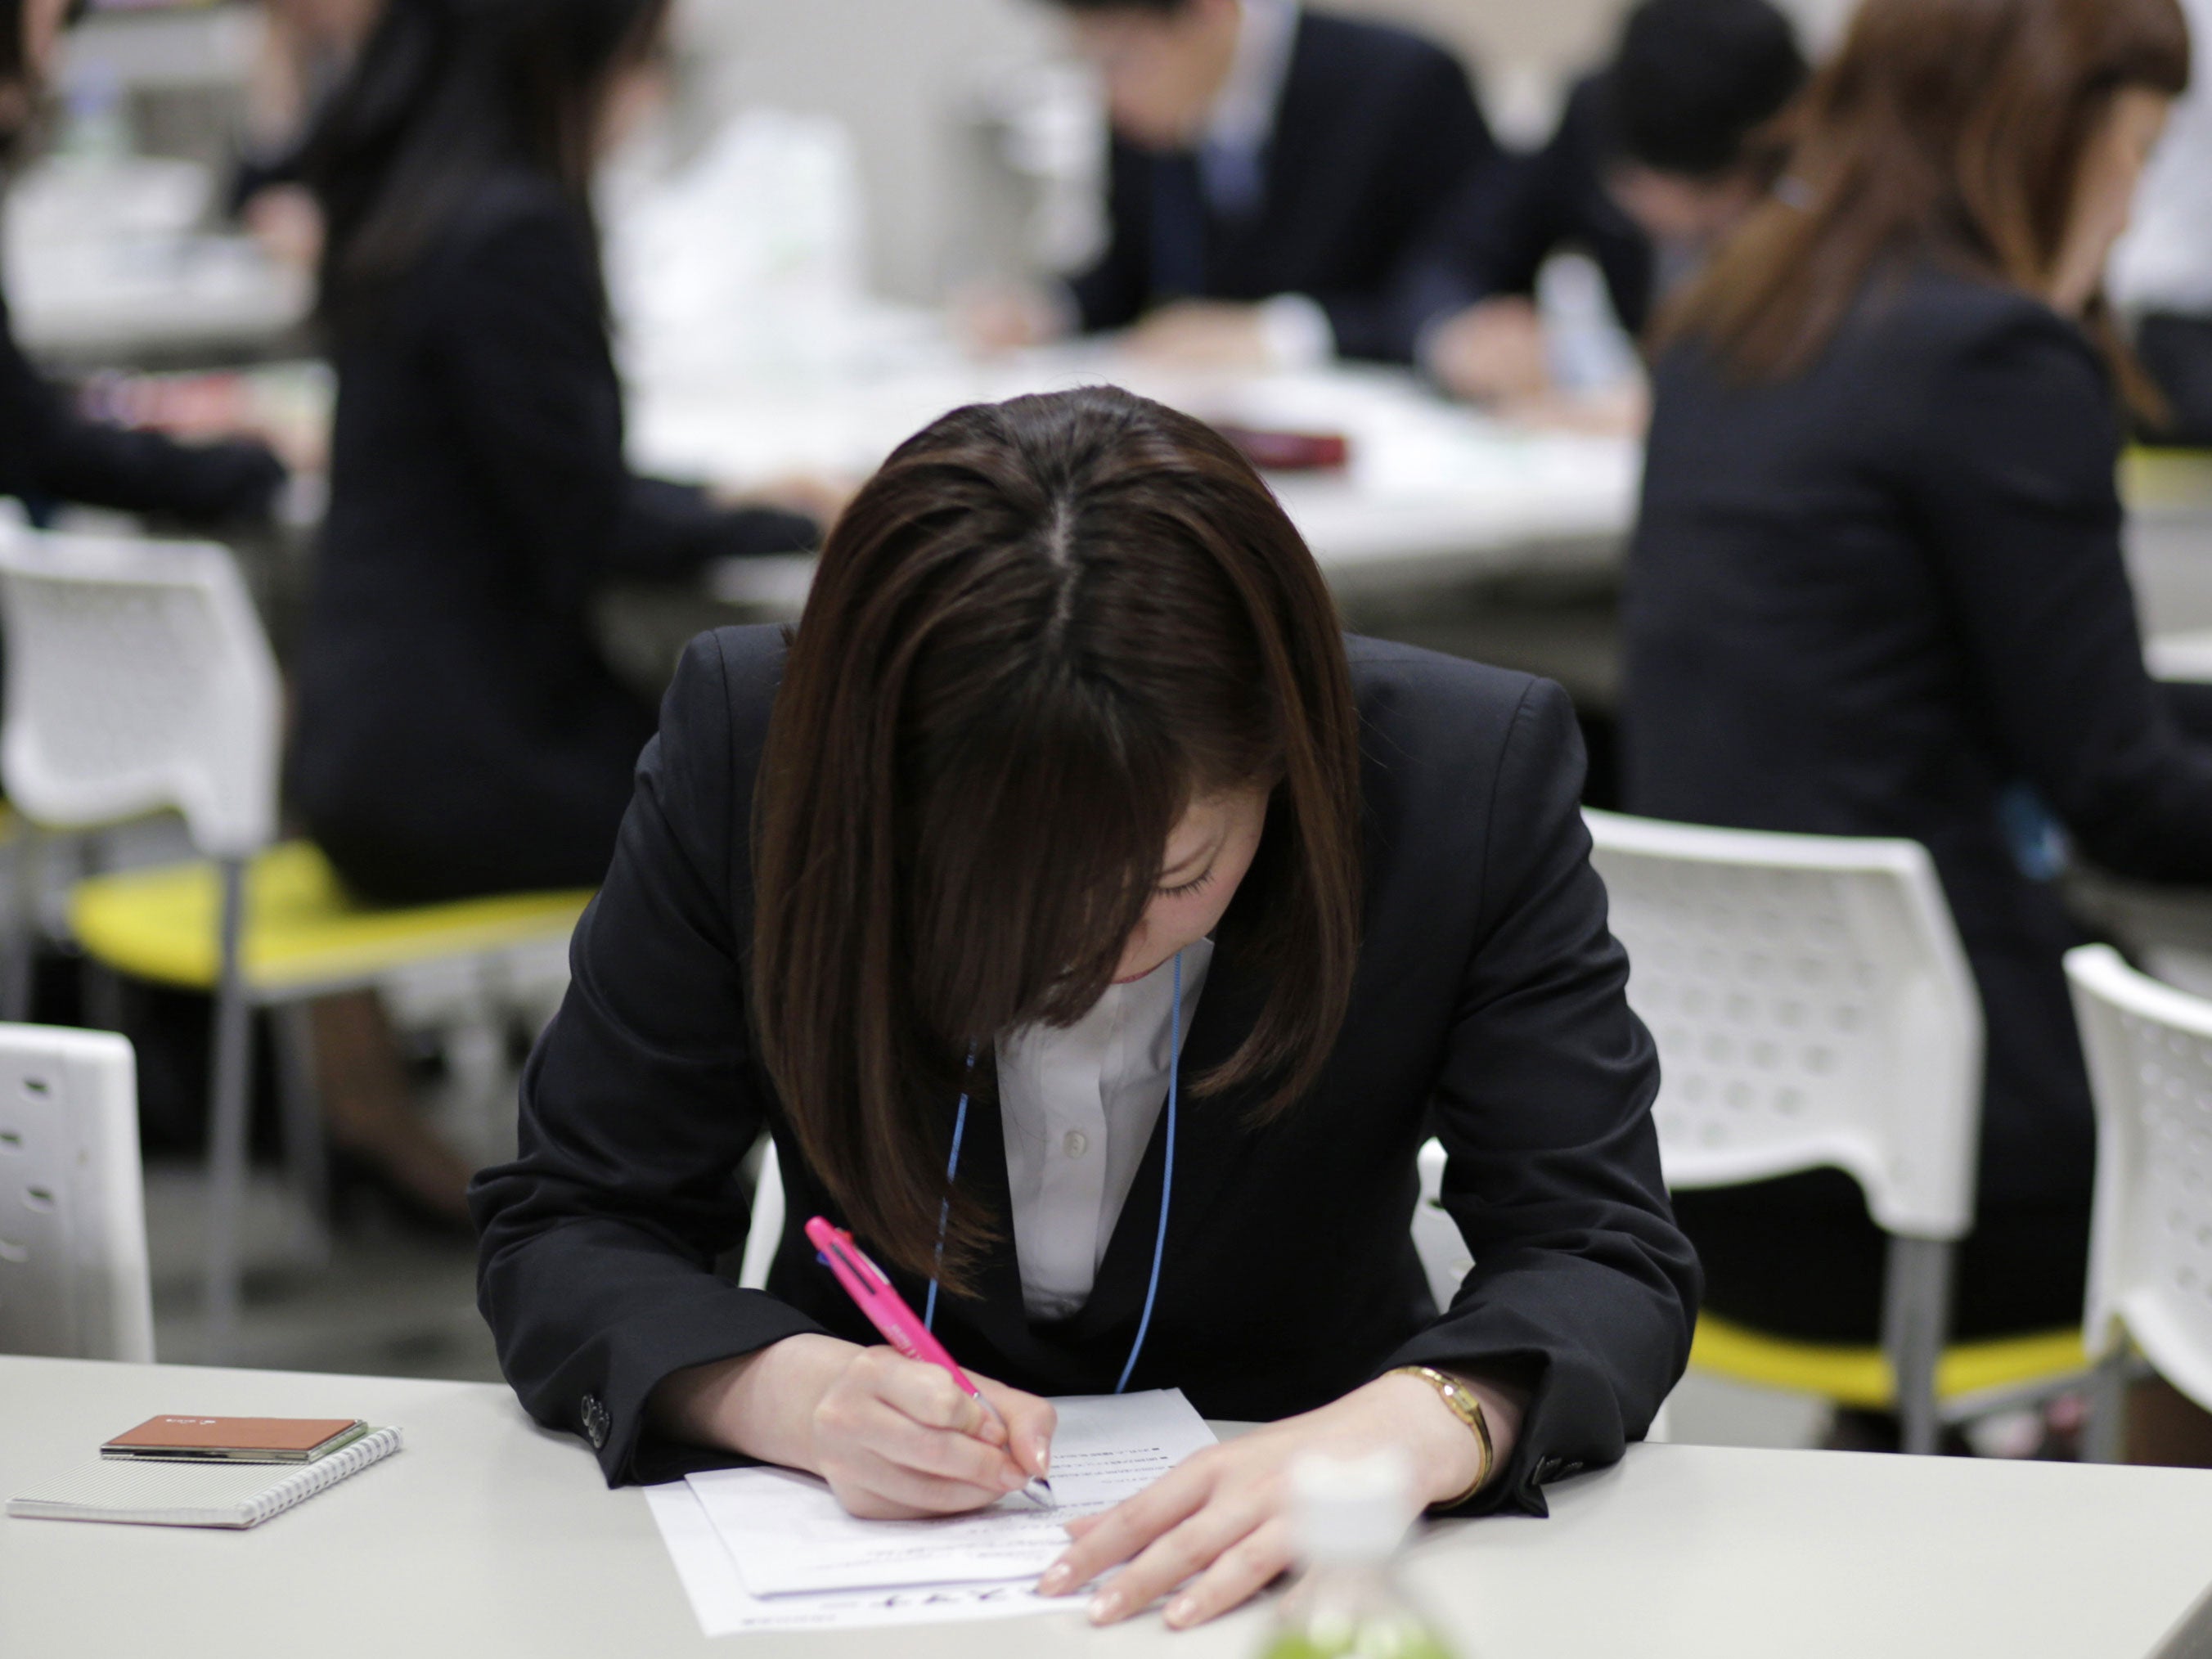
(724, 1606)
(736, 1532)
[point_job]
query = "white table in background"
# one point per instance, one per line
(491, 1538)
(1435, 492)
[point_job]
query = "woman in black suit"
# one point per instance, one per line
(1877, 588)
(49, 454)
(459, 732)
(1065, 762)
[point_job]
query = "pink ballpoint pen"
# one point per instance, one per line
(887, 1311)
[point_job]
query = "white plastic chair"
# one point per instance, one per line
(1813, 1008)
(73, 1274)
(765, 1230)
(2149, 1048)
(139, 679)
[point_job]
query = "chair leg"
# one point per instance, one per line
(2104, 1438)
(25, 870)
(306, 1154)
(1916, 1323)
(229, 1096)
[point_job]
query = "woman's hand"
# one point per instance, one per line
(1223, 1516)
(894, 1438)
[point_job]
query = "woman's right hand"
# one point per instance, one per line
(894, 1438)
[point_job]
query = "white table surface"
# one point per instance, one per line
(1434, 491)
(488, 1537)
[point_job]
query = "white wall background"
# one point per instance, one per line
(909, 77)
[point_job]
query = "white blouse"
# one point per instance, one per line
(1079, 1106)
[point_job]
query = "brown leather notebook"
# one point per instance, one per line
(236, 1439)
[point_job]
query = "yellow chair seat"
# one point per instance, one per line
(303, 930)
(2155, 478)
(1860, 1377)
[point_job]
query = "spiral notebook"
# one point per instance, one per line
(236, 1495)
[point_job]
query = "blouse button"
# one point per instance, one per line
(1076, 1143)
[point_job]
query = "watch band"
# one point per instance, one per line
(1465, 1406)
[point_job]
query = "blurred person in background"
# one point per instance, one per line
(458, 730)
(1653, 162)
(1270, 168)
(306, 51)
(1877, 587)
(51, 455)
(2162, 273)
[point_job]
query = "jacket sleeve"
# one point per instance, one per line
(522, 340)
(1583, 1291)
(1439, 135)
(596, 1271)
(47, 450)
(2013, 478)
(1116, 290)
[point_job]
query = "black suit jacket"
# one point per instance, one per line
(49, 454)
(459, 731)
(1885, 598)
(1489, 995)
(1504, 222)
(1375, 128)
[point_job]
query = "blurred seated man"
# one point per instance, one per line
(1271, 169)
(1653, 163)
(2162, 272)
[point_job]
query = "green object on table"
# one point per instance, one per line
(1371, 1641)
(1350, 1517)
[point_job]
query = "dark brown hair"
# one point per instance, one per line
(447, 94)
(1037, 633)
(1955, 130)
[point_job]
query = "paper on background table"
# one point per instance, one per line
(789, 1536)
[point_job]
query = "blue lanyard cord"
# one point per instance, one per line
(1167, 1177)
(945, 1207)
(1167, 1184)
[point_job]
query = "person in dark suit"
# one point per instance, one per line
(51, 455)
(1877, 587)
(458, 730)
(1270, 168)
(1068, 761)
(1652, 163)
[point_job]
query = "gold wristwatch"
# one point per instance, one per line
(1467, 1409)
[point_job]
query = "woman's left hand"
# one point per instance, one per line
(1223, 1516)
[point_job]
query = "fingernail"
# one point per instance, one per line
(1057, 1579)
(1105, 1607)
(1040, 1456)
(1182, 1612)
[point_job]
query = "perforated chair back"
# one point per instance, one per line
(73, 1274)
(1813, 1008)
(2150, 1256)
(138, 680)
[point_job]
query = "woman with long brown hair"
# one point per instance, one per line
(1877, 588)
(1067, 763)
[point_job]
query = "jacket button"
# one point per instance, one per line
(596, 1421)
